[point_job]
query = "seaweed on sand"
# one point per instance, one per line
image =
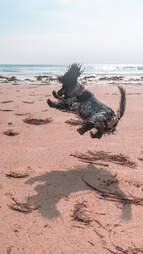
(26, 207)
(115, 197)
(10, 133)
(93, 157)
(17, 174)
(128, 251)
(81, 213)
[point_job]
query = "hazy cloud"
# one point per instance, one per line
(61, 31)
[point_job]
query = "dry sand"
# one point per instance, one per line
(70, 217)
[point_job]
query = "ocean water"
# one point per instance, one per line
(24, 71)
(129, 72)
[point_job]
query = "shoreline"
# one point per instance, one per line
(90, 79)
(92, 73)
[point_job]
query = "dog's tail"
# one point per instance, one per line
(111, 125)
(122, 106)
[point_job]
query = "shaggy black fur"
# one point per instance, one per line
(74, 97)
(70, 89)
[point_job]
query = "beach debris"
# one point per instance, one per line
(21, 114)
(40, 77)
(26, 207)
(10, 123)
(4, 102)
(91, 243)
(17, 174)
(88, 78)
(13, 78)
(11, 133)
(47, 78)
(111, 181)
(114, 78)
(28, 79)
(28, 102)
(81, 213)
(6, 110)
(44, 110)
(2, 77)
(92, 157)
(130, 250)
(73, 122)
(140, 158)
(35, 121)
(16, 84)
(111, 251)
(114, 197)
(87, 159)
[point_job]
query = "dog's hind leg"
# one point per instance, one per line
(86, 126)
(97, 134)
(100, 130)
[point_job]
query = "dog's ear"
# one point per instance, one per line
(74, 70)
(72, 74)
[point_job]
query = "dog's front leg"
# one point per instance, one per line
(60, 106)
(86, 126)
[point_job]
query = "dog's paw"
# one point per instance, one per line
(80, 131)
(96, 134)
(92, 135)
(55, 94)
(50, 103)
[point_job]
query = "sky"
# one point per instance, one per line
(66, 31)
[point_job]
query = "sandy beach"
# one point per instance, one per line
(54, 203)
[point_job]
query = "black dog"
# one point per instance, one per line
(74, 97)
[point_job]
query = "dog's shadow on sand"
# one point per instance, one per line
(55, 185)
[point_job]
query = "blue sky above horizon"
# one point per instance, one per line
(66, 31)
